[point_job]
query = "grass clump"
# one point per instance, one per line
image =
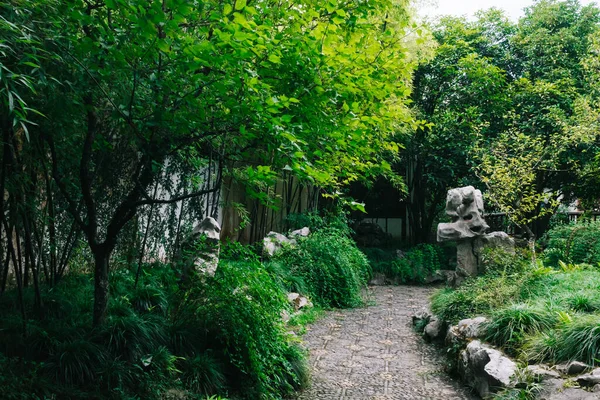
(509, 325)
(580, 340)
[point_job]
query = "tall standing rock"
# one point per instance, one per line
(465, 206)
(200, 251)
(468, 229)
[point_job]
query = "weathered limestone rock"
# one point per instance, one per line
(542, 372)
(471, 328)
(466, 329)
(466, 259)
(558, 389)
(498, 240)
(465, 206)
(423, 316)
(200, 250)
(468, 229)
(273, 243)
(298, 301)
(304, 232)
(486, 368)
(576, 367)
(591, 379)
(434, 329)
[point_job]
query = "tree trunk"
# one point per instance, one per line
(101, 258)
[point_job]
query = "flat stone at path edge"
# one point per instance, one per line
(373, 353)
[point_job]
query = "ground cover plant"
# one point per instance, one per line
(573, 243)
(536, 313)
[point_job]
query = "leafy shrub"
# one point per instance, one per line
(498, 261)
(241, 311)
(285, 278)
(235, 251)
(221, 337)
(332, 267)
(417, 264)
(573, 243)
(509, 325)
(335, 220)
(380, 260)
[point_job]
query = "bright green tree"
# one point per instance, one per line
(140, 94)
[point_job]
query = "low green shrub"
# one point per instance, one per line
(332, 267)
(498, 261)
(573, 243)
(478, 296)
(315, 221)
(415, 266)
(241, 313)
(225, 336)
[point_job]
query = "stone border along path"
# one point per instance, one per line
(374, 353)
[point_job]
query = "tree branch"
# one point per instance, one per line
(216, 188)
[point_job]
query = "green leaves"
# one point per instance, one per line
(240, 4)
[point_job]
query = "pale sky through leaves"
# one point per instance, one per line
(513, 8)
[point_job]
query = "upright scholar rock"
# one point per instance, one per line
(468, 228)
(200, 251)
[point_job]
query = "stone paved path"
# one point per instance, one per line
(373, 353)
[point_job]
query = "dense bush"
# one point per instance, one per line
(335, 220)
(330, 265)
(573, 243)
(414, 266)
(241, 313)
(225, 336)
(498, 261)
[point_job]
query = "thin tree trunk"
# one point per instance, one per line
(101, 285)
(143, 248)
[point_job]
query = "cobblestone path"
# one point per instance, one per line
(373, 353)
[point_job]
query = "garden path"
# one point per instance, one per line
(373, 353)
